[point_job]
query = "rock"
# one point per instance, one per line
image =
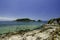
(54, 21)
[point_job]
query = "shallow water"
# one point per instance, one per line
(11, 26)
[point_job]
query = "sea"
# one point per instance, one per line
(13, 26)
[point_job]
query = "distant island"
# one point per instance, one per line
(24, 20)
(27, 20)
(38, 20)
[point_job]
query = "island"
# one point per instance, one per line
(24, 20)
(38, 20)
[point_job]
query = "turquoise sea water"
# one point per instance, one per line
(11, 26)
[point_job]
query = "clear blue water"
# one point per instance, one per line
(12, 26)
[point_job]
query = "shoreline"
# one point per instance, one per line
(44, 33)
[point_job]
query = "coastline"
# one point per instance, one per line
(47, 32)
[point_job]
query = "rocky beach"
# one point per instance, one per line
(48, 32)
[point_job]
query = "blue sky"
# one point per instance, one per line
(34, 9)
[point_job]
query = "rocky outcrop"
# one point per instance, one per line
(54, 21)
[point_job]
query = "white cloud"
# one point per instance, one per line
(6, 19)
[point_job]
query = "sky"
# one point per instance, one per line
(33, 9)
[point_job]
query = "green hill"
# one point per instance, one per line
(24, 20)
